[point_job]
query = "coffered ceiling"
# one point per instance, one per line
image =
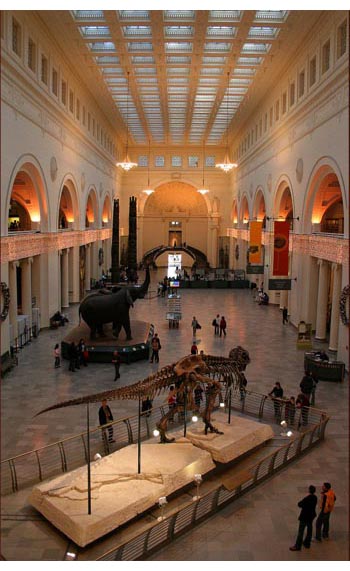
(179, 76)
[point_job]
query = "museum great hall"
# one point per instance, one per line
(211, 123)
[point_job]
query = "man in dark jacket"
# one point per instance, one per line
(307, 384)
(105, 416)
(307, 515)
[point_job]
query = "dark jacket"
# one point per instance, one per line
(103, 416)
(308, 508)
(307, 384)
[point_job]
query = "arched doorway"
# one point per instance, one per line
(24, 209)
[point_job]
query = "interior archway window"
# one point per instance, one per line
(18, 217)
(333, 219)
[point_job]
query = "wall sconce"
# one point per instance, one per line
(222, 405)
(198, 481)
(155, 432)
(162, 503)
(97, 457)
(287, 433)
(194, 418)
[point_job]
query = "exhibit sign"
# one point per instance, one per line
(280, 284)
(255, 269)
(255, 242)
(280, 248)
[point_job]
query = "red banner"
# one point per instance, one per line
(255, 243)
(281, 248)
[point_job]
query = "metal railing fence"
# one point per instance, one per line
(159, 534)
(37, 465)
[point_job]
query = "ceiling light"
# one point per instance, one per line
(226, 166)
(148, 190)
(127, 164)
(203, 190)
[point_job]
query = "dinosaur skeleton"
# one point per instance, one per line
(210, 371)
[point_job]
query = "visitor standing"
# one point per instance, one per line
(195, 325)
(57, 355)
(277, 394)
(116, 363)
(156, 346)
(306, 517)
(73, 355)
(328, 499)
(105, 417)
(303, 403)
(198, 396)
(285, 315)
(216, 324)
(307, 384)
(222, 326)
(83, 353)
(194, 349)
(171, 400)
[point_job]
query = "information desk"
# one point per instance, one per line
(324, 370)
(214, 284)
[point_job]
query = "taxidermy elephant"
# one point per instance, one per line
(99, 308)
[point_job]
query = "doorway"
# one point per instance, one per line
(175, 238)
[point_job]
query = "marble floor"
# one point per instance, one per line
(258, 527)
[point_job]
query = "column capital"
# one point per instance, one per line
(27, 261)
(335, 266)
(14, 264)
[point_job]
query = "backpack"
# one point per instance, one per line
(213, 322)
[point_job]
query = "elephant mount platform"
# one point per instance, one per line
(101, 349)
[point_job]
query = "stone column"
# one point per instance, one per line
(13, 297)
(115, 242)
(26, 266)
(64, 278)
(322, 299)
(333, 336)
(73, 274)
(87, 267)
(132, 241)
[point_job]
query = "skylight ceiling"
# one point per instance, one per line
(178, 63)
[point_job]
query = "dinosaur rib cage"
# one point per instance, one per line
(223, 369)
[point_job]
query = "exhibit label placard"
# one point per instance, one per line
(280, 284)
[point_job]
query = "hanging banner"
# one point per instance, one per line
(255, 242)
(280, 249)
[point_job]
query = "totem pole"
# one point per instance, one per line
(132, 242)
(115, 242)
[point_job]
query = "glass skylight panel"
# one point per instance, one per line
(111, 70)
(145, 70)
(178, 70)
(133, 14)
(178, 31)
(137, 31)
(177, 89)
(221, 31)
(264, 32)
(250, 48)
(88, 14)
(244, 71)
(217, 47)
(116, 80)
(139, 47)
(102, 60)
(249, 60)
(146, 80)
(211, 71)
(179, 14)
(142, 59)
(178, 60)
(94, 31)
(208, 81)
(215, 60)
(240, 81)
(228, 15)
(101, 46)
(178, 46)
(271, 15)
(177, 80)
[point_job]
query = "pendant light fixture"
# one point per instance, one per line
(148, 190)
(203, 190)
(127, 164)
(226, 166)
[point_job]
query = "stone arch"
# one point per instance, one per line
(259, 206)
(283, 205)
(68, 204)
(91, 210)
(325, 197)
(244, 215)
(146, 200)
(234, 212)
(106, 211)
(28, 189)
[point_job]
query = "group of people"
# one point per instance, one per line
(308, 513)
(219, 325)
(78, 355)
(304, 400)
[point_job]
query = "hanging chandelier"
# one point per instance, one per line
(203, 190)
(227, 166)
(148, 190)
(127, 164)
